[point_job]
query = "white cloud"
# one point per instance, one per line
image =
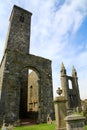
(70, 16)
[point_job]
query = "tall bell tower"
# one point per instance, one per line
(18, 37)
(13, 94)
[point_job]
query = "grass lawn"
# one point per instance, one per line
(86, 127)
(39, 127)
(36, 127)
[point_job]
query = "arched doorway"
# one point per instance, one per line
(33, 95)
(29, 93)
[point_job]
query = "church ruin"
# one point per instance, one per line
(14, 67)
(70, 91)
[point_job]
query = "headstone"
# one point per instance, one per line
(75, 122)
(60, 112)
(49, 120)
(4, 127)
(10, 127)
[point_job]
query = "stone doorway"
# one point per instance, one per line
(29, 94)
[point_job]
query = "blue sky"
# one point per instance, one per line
(58, 32)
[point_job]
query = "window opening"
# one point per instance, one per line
(22, 18)
(70, 84)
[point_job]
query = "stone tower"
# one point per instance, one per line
(71, 94)
(14, 73)
(18, 37)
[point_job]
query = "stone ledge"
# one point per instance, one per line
(60, 99)
(74, 117)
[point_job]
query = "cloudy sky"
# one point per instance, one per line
(58, 32)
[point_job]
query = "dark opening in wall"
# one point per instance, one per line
(22, 18)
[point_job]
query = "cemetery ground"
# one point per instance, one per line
(38, 127)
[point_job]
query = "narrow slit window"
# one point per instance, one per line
(22, 18)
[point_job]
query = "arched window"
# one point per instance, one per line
(70, 84)
(22, 18)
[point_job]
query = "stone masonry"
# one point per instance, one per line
(75, 122)
(72, 94)
(14, 68)
(33, 92)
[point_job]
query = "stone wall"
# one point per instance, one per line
(18, 36)
(12, 85)
(71, 94)
(14, 72)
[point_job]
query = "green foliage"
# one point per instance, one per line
(79, 113)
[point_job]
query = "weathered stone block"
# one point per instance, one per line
(75, 122)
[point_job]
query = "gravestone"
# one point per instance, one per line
(60, 112)
(75, 122)
(49, 120)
